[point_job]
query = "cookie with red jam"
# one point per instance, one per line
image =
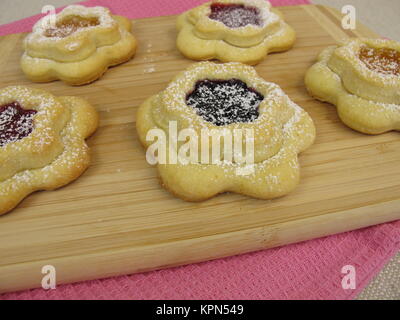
(233, 30)
(42, 142)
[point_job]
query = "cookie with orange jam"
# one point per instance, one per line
(78, 47)
(362, 79)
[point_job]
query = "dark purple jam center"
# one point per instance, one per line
(235, 15)
(223, 102)
(15, 123)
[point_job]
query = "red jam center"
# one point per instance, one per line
(235, 15)
(70, 25)
(15, 123)
(223, 102)
(382, 60)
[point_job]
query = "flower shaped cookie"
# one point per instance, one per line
(233, 30)
(221, 100)
(79, 47)
(362, 78)
(42, 142)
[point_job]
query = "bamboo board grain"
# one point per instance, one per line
(116, 219)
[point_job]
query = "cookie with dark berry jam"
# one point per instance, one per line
(223, 102)
(235, 15)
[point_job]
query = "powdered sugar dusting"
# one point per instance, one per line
(15, 123)
(174, 93)
(279, 118)
(72, 19)
(45, 108)
(223, 102)
(69, 26)
(371, 65)
(241, 14)
(383, 60)
(235, 15)
(71, 162)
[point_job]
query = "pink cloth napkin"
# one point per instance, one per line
(308, 270)
(132, 9)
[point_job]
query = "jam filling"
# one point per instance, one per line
(70, 25)
(15, 123)
(223, 102)
(382, 60)
(235, 15)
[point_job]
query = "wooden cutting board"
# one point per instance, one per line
(116, 219)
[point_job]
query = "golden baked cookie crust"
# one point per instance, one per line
(77, 55)
(360, 80)
(59, 169)
(202, 38)
(43, 144)
(281, 131)
(366, 100)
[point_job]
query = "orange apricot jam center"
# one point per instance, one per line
(70, 25)
(382, 60)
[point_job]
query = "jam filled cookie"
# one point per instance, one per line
(233, 30)
(362, 78)
(212, 102)
(79, 47)
(42, 142)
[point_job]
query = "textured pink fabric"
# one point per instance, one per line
(132, 9)
(308, 270)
